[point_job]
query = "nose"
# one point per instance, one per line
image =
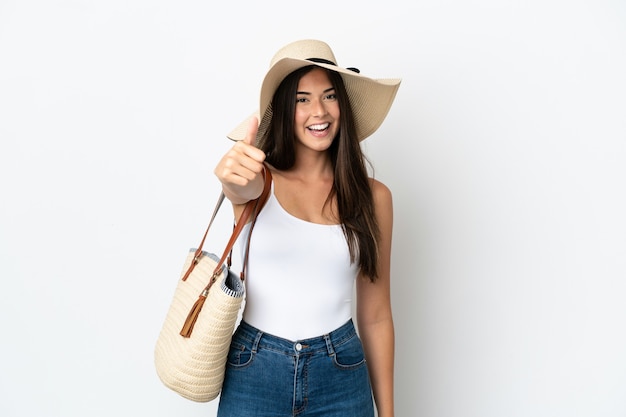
(319, 108)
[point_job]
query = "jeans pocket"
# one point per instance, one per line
(349, 355)
(239, 355)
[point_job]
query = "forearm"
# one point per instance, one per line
(379, 344)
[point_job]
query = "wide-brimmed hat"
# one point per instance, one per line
(370, 98)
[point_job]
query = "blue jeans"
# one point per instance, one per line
(270, 376)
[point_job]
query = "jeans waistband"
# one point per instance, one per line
(325, 342)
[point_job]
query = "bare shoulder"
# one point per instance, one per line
(382, 195)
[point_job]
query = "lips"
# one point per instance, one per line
(319, 127)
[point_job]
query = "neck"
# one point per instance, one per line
(312, 166)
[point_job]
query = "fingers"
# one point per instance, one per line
(253, 128)
(247, 145)
(244, 161)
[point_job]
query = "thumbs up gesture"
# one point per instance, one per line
(240, 169)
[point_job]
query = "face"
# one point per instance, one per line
(317, 111)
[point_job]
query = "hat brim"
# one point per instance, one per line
(370, 98)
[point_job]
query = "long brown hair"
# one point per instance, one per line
(351, 186)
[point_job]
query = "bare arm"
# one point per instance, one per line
(374, 316)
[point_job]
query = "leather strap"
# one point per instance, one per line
(252, 207)
(260, 203)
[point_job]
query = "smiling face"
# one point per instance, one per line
(317, 111)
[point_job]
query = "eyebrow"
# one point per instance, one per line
(307, 93)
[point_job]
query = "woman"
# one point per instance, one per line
(325, 227)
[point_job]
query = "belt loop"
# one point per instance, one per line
(257, 339)
(329, 345)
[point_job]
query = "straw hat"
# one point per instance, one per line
(370, 98)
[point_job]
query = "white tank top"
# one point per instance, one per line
(299, 280)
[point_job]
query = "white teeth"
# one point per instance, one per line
(319, 127)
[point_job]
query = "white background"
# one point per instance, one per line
(505, 151)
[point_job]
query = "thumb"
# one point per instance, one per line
(253, 127)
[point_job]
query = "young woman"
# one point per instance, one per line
(325, 228)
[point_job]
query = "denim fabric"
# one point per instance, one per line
(270, 376)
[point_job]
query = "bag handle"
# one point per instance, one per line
(252, 206)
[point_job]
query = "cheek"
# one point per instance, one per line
(300, 116)
(337, 116)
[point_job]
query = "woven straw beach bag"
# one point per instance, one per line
(194, 366)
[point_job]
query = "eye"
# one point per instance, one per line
(301, 99)
(331, 97)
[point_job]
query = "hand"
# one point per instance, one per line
(240, 170)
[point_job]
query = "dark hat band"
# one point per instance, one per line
(325, 61)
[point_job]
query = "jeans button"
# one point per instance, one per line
(298, 347)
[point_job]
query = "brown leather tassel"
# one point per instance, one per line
(193, 316)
